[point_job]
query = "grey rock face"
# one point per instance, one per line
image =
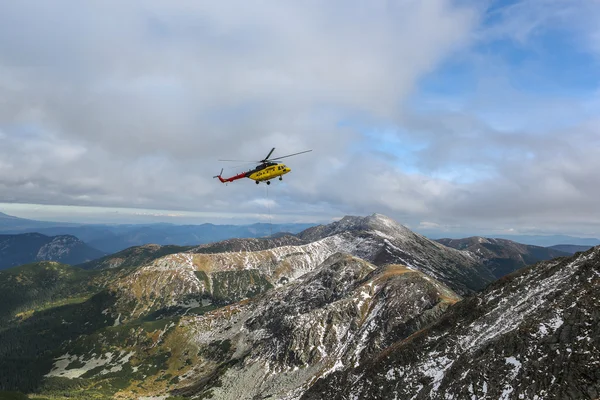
(534, 334)
(344, 312)
(390, 242)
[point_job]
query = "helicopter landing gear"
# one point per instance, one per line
(268, 182)
(280, 178)
(257, 182)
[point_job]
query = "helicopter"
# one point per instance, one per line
(266, 169)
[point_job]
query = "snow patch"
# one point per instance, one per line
(552, 325)
(516, 366)
(436, 369)
(60, 368)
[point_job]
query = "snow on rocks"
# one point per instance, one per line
(63, 366)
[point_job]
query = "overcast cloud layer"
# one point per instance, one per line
(446, 115)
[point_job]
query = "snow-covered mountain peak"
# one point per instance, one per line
(374, 223)
(386, 224)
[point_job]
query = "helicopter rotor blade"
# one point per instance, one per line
(289, 155)
(244, 161)
(268, 155)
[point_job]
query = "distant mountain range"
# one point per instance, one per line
(31, 247)
(544, 240)
(114, 238)
(10, 223)
(360, 308)
(570, 248)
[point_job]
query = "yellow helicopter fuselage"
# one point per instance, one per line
(268, 173)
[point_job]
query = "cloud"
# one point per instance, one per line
(437, 112)
(526, 21)
(192, 78)
(151, 94)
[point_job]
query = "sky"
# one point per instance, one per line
(448, 116)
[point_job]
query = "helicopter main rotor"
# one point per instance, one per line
(267, 159)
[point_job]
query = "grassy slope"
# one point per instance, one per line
(39, 286)
(133, 256)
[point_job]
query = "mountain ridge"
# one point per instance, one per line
(312, 315)
(503, 256)
(500, 337)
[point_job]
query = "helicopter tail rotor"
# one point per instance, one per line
(219, 176)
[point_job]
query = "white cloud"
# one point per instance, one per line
(139, 100)
(130, 105)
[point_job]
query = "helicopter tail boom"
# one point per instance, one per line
(233, 178)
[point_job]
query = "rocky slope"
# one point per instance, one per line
(31, 247)
(183, 280)
(144, 255)
(254, 318)
(503, 256)
(534, 334)
(386, 241)
(273, 346)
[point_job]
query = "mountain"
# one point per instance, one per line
(143, 255)
(381, 240)
(337, 315)
(342, 312)
(375, 238)
(570, 248)
(9, 223)
(30, 247)
(533, 334)
(503, 256)
(239, 319)
(184, 235)
(4, 217)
